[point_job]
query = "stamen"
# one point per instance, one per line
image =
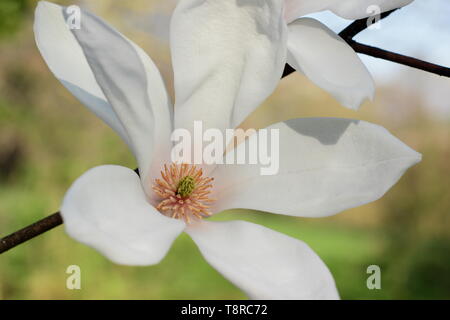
(183, 192)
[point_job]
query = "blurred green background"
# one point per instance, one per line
(47, 140)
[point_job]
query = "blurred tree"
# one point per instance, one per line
(11, 154)
(416, 221)
(426, 274)
(12, 14)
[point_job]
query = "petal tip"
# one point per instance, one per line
(45, 5)
(417, 157)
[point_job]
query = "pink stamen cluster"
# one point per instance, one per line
(173, 204)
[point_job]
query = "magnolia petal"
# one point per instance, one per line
(114, 66)
(329, 62)
(326, 166)
(228, 57)
(348, 9)
(107, 209)
(66, 60)
(265, 264)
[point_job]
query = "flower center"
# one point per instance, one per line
(183, 192)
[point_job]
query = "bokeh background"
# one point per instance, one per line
(48, 139)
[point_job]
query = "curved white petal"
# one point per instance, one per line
(265, 264)
(326, 166)
(106, 208)
(348, 9)
(228, 57)
(329, 62)
(66, 60)
(111, 75)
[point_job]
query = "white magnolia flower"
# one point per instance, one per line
(324, 57)
(227, 58)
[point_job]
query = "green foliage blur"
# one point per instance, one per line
(47, 140)
(12, 14)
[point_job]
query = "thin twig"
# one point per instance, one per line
(287, 70)
(347, 34)
(390, 56)
(30, 232)
(358, 26)
(401, 59)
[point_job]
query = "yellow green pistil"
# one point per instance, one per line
(186, 186)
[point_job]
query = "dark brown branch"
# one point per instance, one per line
(30, 232)
(360, 25)
(287, 71)
(390, 56)
(347, 34)
(401, 59)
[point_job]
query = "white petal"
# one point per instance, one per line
(106, 208)
(103, 63)
(348, 9)
(329, 62)
(326, 166)
(228, 57)
(66, 60)
(265, 264)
